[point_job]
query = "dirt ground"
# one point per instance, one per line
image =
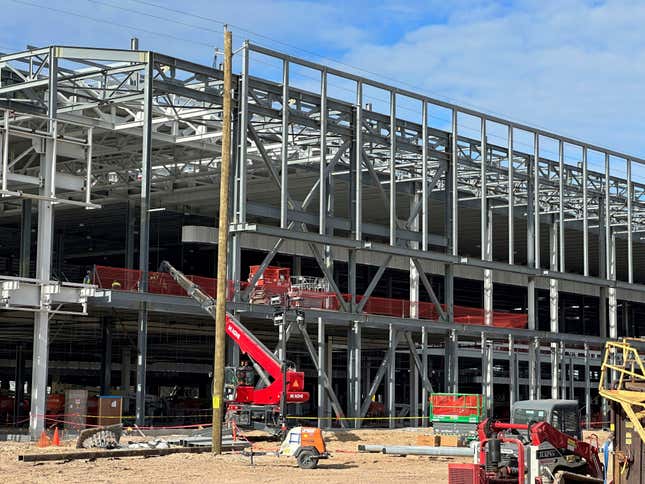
(346, 464)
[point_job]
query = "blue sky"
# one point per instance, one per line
(572, 66)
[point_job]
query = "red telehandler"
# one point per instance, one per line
(247, 404)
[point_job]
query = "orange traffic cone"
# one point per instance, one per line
(44, 440)
(56, 439)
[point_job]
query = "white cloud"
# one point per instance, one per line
(572, 67)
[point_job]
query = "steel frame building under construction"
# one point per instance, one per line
(379, 191)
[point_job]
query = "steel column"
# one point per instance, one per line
(585, 214)
(284, 157)
(354, 372)
(554, 305)
(536, 198)
(392, 169)
(587, 390)
(19, 378)
(144, 240)
(391, 377)
(126, 374)
(25, 238)
(453, 227)
(561, 212)
(357, 214)
(130, 223)
(511, 199)
(106, 356)
(425, 216)
(424, 375)
(630, 234)
(39, 372)
(322, 400)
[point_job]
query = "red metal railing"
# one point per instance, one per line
(161, 283)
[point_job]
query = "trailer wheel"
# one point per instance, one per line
(307, 460)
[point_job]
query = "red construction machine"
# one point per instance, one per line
(534, 452)
(249, 404)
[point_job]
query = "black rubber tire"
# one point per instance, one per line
(307, 460)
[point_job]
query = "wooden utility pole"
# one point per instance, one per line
(222, 251)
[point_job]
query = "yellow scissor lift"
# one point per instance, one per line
(622, 382)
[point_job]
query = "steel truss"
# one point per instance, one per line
(330, 173)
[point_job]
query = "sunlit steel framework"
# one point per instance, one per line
(339, 167)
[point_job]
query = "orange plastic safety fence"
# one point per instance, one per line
(270, 287)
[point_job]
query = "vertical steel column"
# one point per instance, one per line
(585, 214)
(243, 103)
(126, 373)
(512, 373)
(553, 305)
(238, 185)
(39, 372)
(451, 198)
(561, 215)
(144, 240)
(534, 369)
(414, 310)
(536, 198)
(424, 375)
(487, 372)
(354, 367)
(454, 187)
(358, 141)
(486, 234)
(391, 377)
(563, 371)
(452, 363)
(284, 158)
(530, 262)
(603, 237)
(630, 235)
(587, 389)
(25, 238)
(483, 212)
(322, 189)
(88, 174)
(106, 356)
(414, 392)
(19, 378)
(130, 222)
(511, 199)
(321, 391)
(414, 272)
(613, 302)
(425, 216)
(572, 392)
(4, 148)
(392, 168)
(488, 273)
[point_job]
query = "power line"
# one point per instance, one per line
(146, 14)
(340, 63)
(114, 24)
